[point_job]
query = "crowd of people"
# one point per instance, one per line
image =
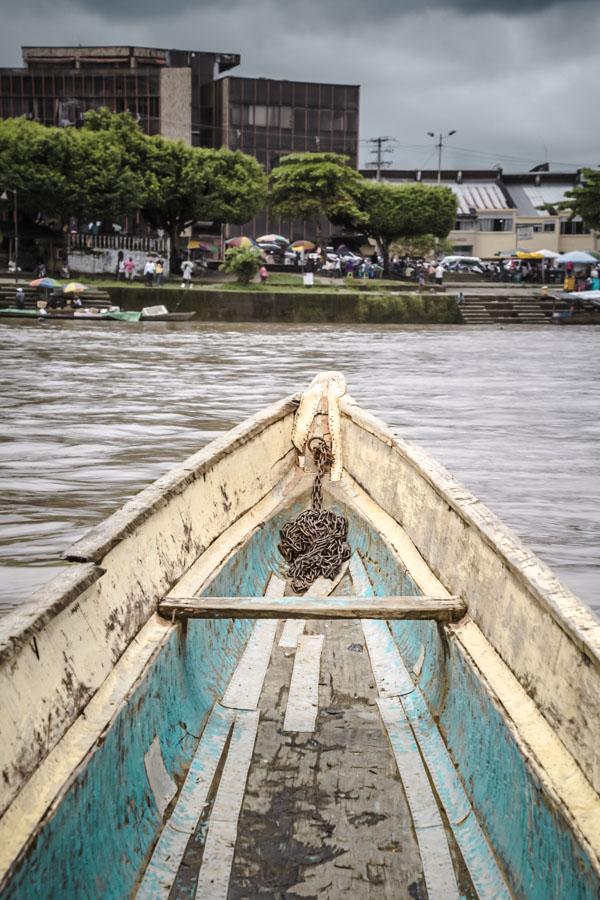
(153, 271)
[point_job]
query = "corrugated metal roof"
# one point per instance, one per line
(477, 195)
(545, 193)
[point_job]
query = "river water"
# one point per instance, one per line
(93, 413)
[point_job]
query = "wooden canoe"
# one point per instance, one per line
(176, 722)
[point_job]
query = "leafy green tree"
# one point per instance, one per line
(243, 262)
(422, 246)
(195, 183)
(311, 186)
(584, 201)
(64, 172)
(399, 212)
(109, 168)
(31, 163)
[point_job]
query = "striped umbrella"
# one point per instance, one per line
(242, 241)
(74, 287)
(272, 239)
(46, 283)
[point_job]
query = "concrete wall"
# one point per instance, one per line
(104, 261)
(176, 104)
(299, 306)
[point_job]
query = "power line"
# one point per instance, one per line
(379, 148)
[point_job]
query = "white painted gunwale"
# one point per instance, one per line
(40, 795)
(82, 622)
(567, 610)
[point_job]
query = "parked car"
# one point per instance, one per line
(463, 263)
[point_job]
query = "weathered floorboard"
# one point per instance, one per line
(213, 880)
(324, 813)
(303, 699)
(347, 607)
(243, 691)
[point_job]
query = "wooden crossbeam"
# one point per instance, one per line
(349, 607)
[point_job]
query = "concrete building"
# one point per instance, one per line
(500, 211)
(162, 88)
(179, 94)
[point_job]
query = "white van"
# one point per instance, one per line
(469, 262)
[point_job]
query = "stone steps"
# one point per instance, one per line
(481, 310)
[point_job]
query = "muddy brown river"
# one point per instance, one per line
(93, 413)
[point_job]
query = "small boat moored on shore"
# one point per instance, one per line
(304, 662)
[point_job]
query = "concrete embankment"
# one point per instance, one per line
(295, 306)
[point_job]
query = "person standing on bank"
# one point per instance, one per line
(186, 272)
(149, 269)
(439, 274)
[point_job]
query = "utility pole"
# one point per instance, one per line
(378, 150)
(439, 146)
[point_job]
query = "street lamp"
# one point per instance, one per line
(439, 146)
(4, 196)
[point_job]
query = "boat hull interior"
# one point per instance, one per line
(234, 757)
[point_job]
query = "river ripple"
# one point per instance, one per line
(92, 413)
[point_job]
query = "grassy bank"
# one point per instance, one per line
(302, 305)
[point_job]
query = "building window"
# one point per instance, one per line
(257, 115)
(495, 224)
(339, 120)
(325, 120)
(573, 226)
(465, 225)
(285, 116)
(352, 121)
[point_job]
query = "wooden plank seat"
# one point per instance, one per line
(343, 607)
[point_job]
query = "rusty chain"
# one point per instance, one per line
(315, 543)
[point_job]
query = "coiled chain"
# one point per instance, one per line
(315, 543)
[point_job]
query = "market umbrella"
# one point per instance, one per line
(270, 247)
(272, 239)
(46, 283)
(303, 245)
(74, 287)
(577, 256)
(242, 241)
(201, 245)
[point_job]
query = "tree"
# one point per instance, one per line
(422, 246)
(314, 185)
(192, 184)
(30, 162)
(584, 201)
(243, 262)
(64, 172)
(399, 212)
(109, 168)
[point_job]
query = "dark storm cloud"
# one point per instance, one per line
(335, 11)
(515, 78)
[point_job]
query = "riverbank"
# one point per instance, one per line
(303, 306)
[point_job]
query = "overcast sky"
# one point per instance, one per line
(517, 79)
